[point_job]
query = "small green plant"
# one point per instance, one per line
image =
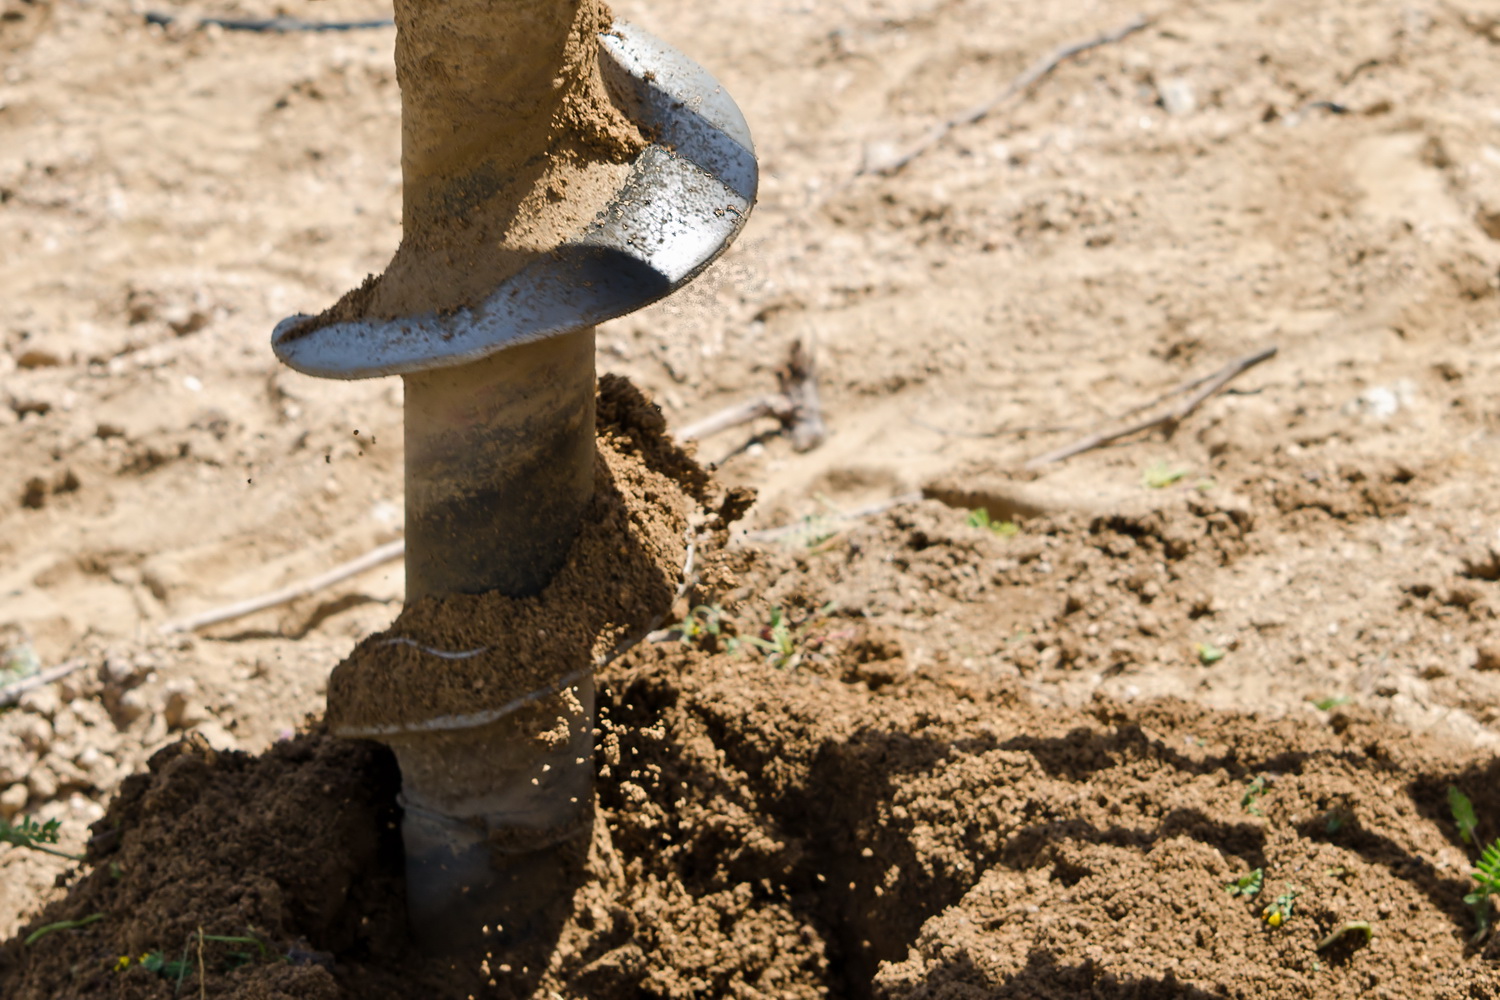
(17, 663)
(1463, 813)
(1208, 653)
(35, 836)
(812, 530)
(1250, 801)
(1486, 870)
(1249, 885)
(176, 969)
(703, 621)
(1487, 874)
(1279, 910)
(1329, 704)
(781, 641)
(1336, 819)
(981, 519)
(1160, 475)
(62, 925)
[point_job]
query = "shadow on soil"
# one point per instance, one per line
(1045, 977)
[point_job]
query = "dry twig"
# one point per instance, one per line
(796, 407)
(375, 557)
(11, 693)
(1033, 75)
(1206, 387)
(734, 416)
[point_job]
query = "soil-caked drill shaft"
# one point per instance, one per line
(556, 174)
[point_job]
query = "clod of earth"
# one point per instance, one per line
(558, 170)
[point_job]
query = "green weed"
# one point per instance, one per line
(1329, 704)
(35, 836)
(1160, 475)
(813, 530)
(1345, 929)
(1336, 819)
(176, 969)
(704, 621)
(1279, 910)
(781, 641)
(1250, 801)
(1248, 886)
(1208, 653)
(62, 925)
(1486, 872)
(1463, 813)
(981, 519)
(17, 663)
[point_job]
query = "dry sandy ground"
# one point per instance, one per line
(1319, 177)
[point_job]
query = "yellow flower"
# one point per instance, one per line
(122, 963)
(1273, 916)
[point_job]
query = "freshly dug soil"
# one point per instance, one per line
(844, 829)
(620, 579)
(787, 808)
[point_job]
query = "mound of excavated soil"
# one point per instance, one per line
(842, 829)
(786, 808)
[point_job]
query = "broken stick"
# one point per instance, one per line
(1032, 76)
(734, 416)
(1206, 387)
(11, 693)
(239, 609)
(796, 407)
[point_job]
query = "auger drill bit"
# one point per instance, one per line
(558, 170)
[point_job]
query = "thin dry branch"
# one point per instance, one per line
(11, 693)
(796, 407)
(1032, 76)
(375, 557)
(734, 416)
(1207, 387)
(798, 380)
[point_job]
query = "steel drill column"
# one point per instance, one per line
(499, 468)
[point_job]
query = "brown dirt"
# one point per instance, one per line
(1150, 211)
(619, 583)
(807, 816)
(845, 829)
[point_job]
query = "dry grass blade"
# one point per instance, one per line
(239, 609)
(1207, 387)
(1032, 76)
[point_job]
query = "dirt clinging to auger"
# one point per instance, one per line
(512, 142)
(462, 654)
